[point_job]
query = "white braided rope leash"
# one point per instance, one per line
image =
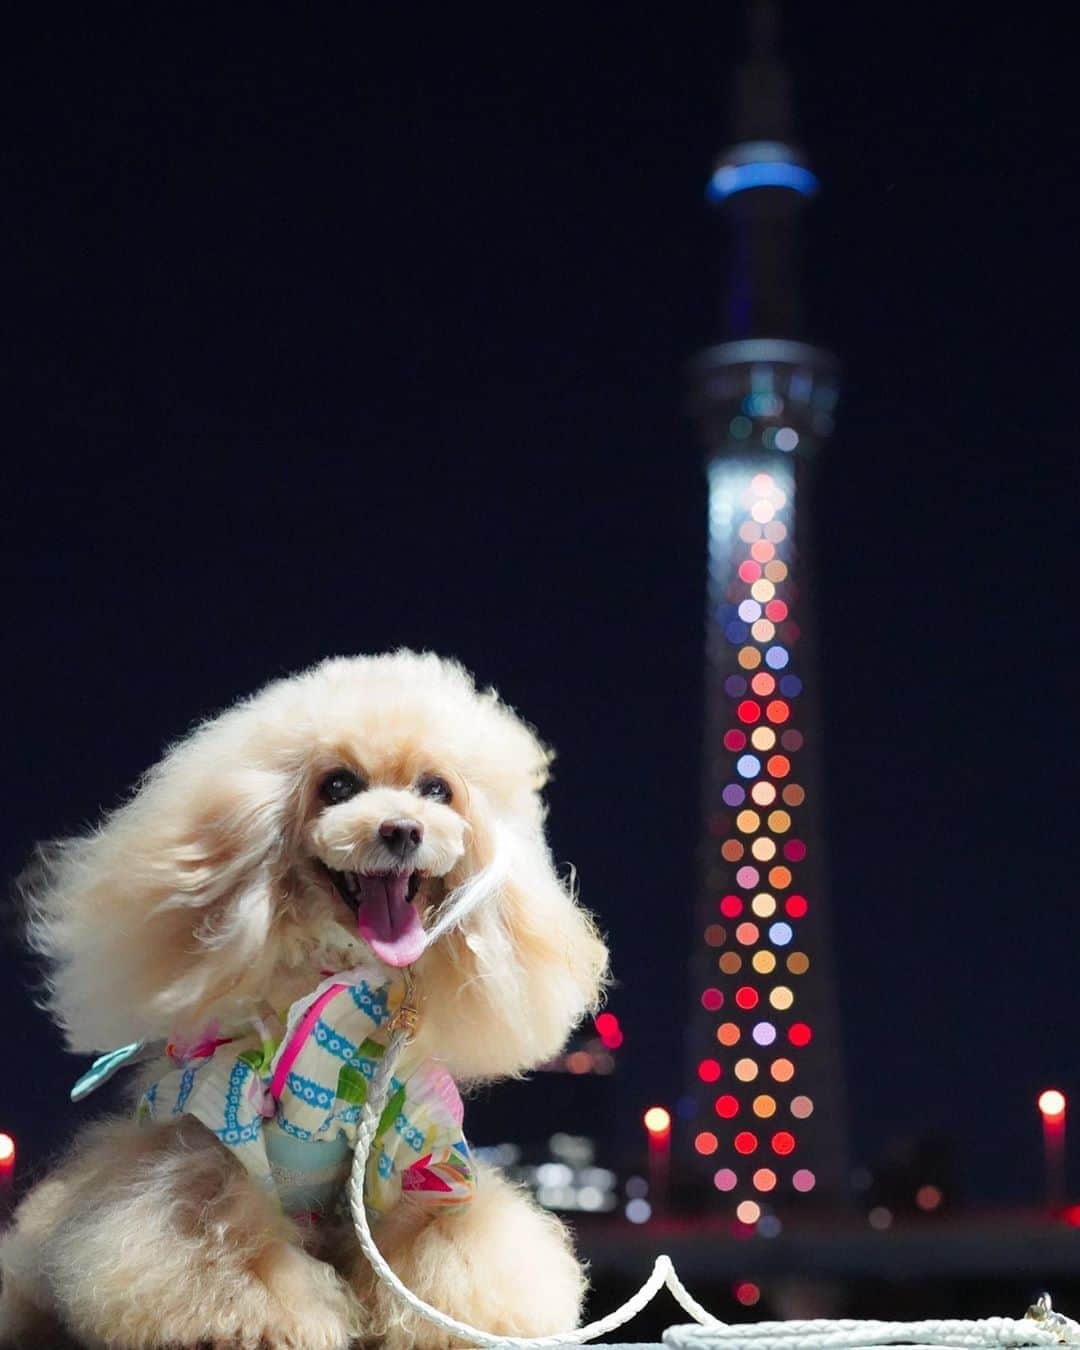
(663, 1272)
(1041, 1327)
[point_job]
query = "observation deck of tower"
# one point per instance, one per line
(768, 1130)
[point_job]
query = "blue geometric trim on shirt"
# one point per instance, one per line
(309, 1091)
(334, 1043)
(371, 1002)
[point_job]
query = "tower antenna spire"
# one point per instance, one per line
(761, 92)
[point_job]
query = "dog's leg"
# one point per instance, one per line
(499, 1263)
(156, 1237)
(28, 1316)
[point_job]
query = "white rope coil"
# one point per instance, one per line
(1041, 1327)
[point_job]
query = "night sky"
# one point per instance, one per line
(326, 336)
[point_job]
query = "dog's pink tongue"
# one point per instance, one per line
(387, 919)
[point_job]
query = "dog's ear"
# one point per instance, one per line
(154, 917)
(526, 966)
(561, 961)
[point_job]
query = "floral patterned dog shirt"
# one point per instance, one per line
(288, 1106)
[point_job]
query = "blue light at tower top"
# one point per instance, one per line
(731, 178)
(761, 164)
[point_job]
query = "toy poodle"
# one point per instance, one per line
(249, 925)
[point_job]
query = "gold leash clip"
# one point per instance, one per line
(407, 1018)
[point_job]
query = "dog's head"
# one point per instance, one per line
(328, 821)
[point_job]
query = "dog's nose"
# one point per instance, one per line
(402, 835)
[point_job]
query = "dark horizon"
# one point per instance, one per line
(338, 341)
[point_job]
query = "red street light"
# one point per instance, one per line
(7, 1175)
(657, 1121)
(1052, 1108)
(1052, 1104)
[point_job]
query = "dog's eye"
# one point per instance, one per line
(340, 785)
(431, 785)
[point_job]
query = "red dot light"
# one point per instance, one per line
(712, 999)
(794, 850)
(749, 711)
(776, 611)
(607, 1025)
(799, 1034)
(731, 907)
(796, 906)
(734, 740)
(745, 1142)
(746, 997)
(726, 1106)
(783, 1142)
(709, 1070)
(749, 571)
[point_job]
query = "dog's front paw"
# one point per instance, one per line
(499, 1264)
(286, 1301)
(308, 1306)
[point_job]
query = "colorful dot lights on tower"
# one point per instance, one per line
(752, 1103)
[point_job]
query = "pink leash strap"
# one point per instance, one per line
(300, 1035)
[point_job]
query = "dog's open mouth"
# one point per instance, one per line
(388, 920)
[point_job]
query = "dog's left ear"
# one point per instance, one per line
(526, 966)
(163, 911)
(560, 960)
